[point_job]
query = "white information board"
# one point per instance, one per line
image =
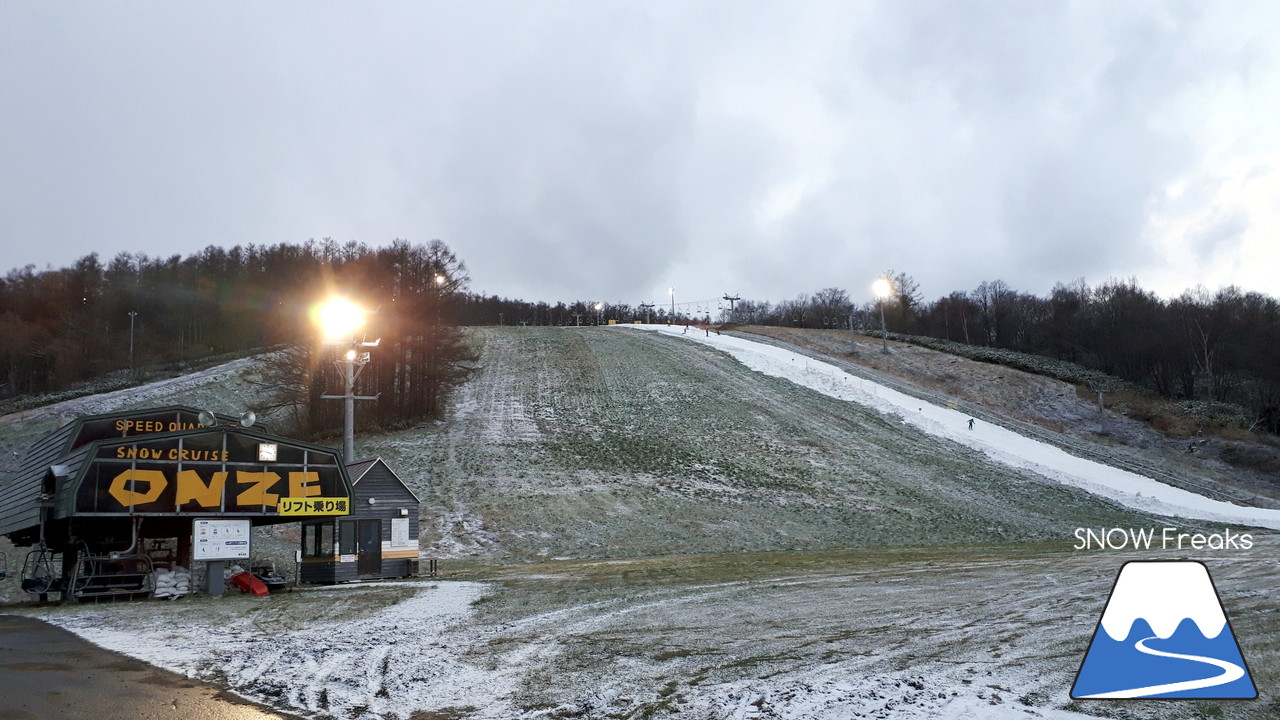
(399, 532)
(221, 540)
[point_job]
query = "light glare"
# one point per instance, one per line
(338, 318)
(882, 288)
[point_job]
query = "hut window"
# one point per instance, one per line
(346, 537)
(317, 540)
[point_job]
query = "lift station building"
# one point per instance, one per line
(104, 486)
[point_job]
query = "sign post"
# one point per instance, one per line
(216, 541)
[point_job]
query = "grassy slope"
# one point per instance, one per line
(596, 442)
(1010, 623)
(576, 441)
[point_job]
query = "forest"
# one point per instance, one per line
(1212, 347)
(92, 320)
(138, 314)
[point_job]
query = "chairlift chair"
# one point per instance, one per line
(111, 577)
(38, 573)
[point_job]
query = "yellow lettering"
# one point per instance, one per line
(120, 451)
(261, 482)
(304, 484)
(192, 489)
(156, 484)
(121, 425)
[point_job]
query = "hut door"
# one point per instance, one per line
(370, 561)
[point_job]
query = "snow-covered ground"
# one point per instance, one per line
(993, 626)
(1002, 445)
(970, 633)
(225, 388)
(395, 648)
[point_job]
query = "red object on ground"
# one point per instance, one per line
(248, 583)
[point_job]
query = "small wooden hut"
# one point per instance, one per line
(379, 539)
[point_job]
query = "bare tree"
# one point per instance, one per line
(831, 306)
(904, 300)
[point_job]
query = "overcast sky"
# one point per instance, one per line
(610, 150)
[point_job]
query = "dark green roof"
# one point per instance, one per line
(56, 462)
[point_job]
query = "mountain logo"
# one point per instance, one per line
(1164, 634)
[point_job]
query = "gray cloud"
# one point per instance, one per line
(1218, 233)
(587, 150)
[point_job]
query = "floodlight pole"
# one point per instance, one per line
(884, 332)
(132, 314)
(883, 288)
(347, 366)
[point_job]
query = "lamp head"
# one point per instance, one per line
(882, 288)
(338, 318)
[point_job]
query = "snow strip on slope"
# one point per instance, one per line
(1001, 445)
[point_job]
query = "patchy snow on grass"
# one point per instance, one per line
(546, 457)
(962, 635)
(834, 691)
(138, 396)
(1005, 446)
(385, 664)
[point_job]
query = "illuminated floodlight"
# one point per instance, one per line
(338, 318)
(883, 289)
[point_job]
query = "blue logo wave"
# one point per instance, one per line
(1184, 665)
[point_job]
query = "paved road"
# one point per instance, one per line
(47, 673)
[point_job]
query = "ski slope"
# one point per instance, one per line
(1001, 445)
